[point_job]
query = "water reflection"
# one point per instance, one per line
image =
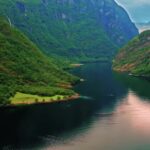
(137, 112)
(140, 86)
(113, 114)
(127, 127)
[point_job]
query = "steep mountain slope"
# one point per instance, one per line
(74, 28)
(135, 56)
(24, 68)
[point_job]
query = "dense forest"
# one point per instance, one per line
(24, 68)
(65, 32)
(77, 29)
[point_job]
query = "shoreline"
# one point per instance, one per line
(71, 98)
(36, 101)
(76, 65)
(132, 74)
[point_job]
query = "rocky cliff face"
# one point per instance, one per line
(116, 22)
(77, 28)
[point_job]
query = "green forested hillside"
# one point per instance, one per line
(135, 56)
(24, 68)
(65, 30)
(83, 29)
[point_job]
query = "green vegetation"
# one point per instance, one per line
(23, 99)
(67, 31)
(135, 56)
(24, 68)
(74, 30)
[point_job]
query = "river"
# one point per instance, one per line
(113, 113)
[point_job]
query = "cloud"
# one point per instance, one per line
(133, 3)
(138, 10)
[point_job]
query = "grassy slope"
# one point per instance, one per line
(25, 99)
(21, 98)
(135, 56)
(24, 68)
(67, 29)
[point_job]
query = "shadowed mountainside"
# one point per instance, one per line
(85, 29)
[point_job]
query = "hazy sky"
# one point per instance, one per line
(139, 10)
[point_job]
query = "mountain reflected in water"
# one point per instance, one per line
(112, 114)
(140, 86)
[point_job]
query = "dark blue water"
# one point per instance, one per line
(112, 114)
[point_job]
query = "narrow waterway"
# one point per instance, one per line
(112, 114)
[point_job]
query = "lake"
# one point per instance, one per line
(113, 113)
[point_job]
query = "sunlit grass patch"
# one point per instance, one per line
(21, 98)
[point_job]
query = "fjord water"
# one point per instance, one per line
(113, 113)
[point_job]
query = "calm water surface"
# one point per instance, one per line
(112, 114)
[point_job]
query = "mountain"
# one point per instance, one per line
(135, 56)
(85, 29)
(24, 68)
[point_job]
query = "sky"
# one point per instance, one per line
(139, 10)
